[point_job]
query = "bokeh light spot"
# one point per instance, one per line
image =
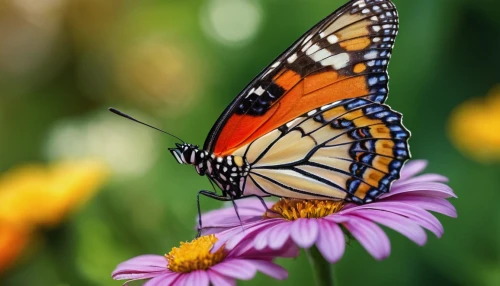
(232, 22)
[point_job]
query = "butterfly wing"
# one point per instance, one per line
(345, 56)
(352, 150)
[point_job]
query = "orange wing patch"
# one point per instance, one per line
(241, 130)
(356, 44)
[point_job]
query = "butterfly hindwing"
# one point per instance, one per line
(344, 56)
(352, 150)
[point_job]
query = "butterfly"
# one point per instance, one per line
(313, 124)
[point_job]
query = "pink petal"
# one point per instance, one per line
(434, 204)
(412, 168)
(140, 267)
(270, 269)
(304, 232)
(146, 260)
(220, 280)
(425, 178)
(262, 240)
(331, 241)
(373, 239)
(251, 230)
(418, 215)
(130, 275)
(278, 236)
(398, 223)
(433, 189)
(198, 277)
(166, 279)
(236, 268)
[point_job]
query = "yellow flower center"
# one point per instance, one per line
(292, 209)
(195, 255)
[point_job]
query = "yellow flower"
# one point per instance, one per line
(474, 126)
(12, 241)
(36, 195)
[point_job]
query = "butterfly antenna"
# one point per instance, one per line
(118, 112)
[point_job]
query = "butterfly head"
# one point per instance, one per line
(190, 154)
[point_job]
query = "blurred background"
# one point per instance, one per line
(82, 190)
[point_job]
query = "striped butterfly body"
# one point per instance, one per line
(313, 124)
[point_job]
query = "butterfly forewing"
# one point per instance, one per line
(345, 56)
(340, 61)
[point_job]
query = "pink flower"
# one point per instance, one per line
(199, 263)
(319, 222)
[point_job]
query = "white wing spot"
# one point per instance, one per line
(376, 28)
(292, 58)
(337, 62)
(359, 3)
(314, 48)
(332, 39)
(371, 55)
(307, 39)
(321, 55)
(259, 91)
(307, 46)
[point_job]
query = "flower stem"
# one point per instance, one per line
(321, 268)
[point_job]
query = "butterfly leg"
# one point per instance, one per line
(209, 194)
(218, 197)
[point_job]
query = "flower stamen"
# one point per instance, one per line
(292, 209)
(195, 255)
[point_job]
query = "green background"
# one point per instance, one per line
(446, 52)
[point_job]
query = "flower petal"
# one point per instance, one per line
(418, 215)
(412, 168)
(278, 236)
(304, 232)
(130, 275)
(198, 278)
(146, 260)
(250, 230)
(248, 209)
(141, 267)
(219, 279)
(373, 239)
(398, 223)
(236, 268)
(425, 178)
(331, 241)
(166, 279)
(429, 203)
(262, 239)
(431, 189)
(270, 269)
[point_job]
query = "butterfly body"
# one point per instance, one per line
(314, 123)
(228, 172)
